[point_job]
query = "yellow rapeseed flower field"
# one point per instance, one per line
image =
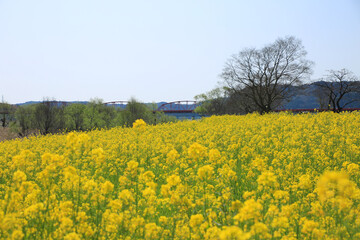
(275, 176)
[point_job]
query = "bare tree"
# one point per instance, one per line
(264, 76)
(49, 116)
(238, 103)
(321, 96)
(7, 113)
(337, 86)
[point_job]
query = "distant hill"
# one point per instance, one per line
(35, 102)
(27, 103)
(306, 97)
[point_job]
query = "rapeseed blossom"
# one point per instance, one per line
(275, 176)
(139, 123)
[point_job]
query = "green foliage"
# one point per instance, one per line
(98, 115)
(136, 110)
(160, 117)
(202, 109)
(108, 115)
(75, 117)
(119, 118)
(24, 116)
(212, 102)
(92, 114)
(49, 117)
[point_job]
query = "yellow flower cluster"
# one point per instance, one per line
(139, 123)
(275, 176)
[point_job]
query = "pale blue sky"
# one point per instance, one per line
(157, 50)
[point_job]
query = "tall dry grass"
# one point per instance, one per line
(7, 134)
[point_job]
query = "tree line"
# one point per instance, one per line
(54, 117)
(263, 80)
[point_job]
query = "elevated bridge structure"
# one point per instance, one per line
(185, 106)
(119, 104)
